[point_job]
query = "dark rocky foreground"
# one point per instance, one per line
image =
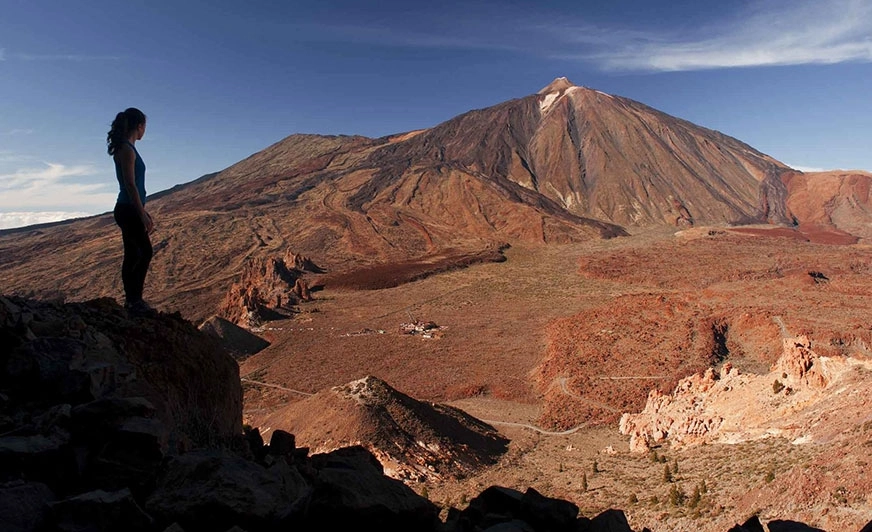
(113, 423)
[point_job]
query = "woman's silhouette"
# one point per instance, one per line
(130, 213)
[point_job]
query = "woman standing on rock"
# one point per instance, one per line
(130, 213)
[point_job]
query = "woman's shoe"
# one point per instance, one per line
(140, 308)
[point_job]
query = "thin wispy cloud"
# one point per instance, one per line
(17, 133)
(774, 33)
(768, 33)
(7, 156)
(454, 38)
(54, 187)
(64, 57)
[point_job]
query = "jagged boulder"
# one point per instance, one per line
(351, 491)
(24, 505)
(781, 525)
(301, 290)
(752, 524)
(302, 263)
(206, 490)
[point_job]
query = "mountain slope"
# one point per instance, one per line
(602, 157)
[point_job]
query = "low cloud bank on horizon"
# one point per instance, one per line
(54, 188)
(11, 220)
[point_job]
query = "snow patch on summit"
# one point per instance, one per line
(548, 101)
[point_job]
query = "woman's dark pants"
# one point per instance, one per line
(137, 251)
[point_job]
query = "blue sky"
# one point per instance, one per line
(220, 80)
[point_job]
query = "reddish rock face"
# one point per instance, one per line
(266, 287)
(834, 206)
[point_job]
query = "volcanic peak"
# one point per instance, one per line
(558, 85)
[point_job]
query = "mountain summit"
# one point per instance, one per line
(559, 84)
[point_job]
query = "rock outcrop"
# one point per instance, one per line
(87, 364)
(802, 398)
(268, 288)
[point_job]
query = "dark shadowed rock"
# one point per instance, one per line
(100, 510)
(48, 362)
(351, 491)
(96, 400)
(494, 505)
(129, 456)
(37, 457)
(213, 490)
(109, 412)
(185, 377)
(610, 521)
(779, 525)
(514, 525)
(24, 506)
(255, 442)
(752, 524)
(282, 443)
(547, 513)
(500, 508)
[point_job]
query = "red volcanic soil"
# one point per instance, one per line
(805, 232)
(586, 329)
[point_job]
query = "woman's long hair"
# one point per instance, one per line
(125, 122)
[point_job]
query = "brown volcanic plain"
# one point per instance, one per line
(625, 271)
